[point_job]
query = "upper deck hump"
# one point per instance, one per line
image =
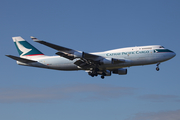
(149, 47)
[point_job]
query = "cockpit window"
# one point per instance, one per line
(161, 47)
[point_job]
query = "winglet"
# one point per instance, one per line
(35, 39)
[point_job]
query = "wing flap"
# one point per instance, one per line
(20, 59)
(68, 56)
(80, 63)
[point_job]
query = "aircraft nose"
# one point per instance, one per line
(170, 54)
(173, 54)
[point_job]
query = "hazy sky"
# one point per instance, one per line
(28, 93)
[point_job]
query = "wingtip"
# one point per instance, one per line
(34, 39)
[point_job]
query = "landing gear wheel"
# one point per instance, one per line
(102, 77)
(157, 68)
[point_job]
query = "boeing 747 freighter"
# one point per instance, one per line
(99, 63)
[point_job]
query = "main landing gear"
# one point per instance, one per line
(94, 72)
(157, 68)
(92, 75)
(102, 76)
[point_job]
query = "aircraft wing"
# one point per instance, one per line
(56, 47)
(21, 59)
(86, 60)
(68, 53)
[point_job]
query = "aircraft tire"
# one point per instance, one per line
(157, 68)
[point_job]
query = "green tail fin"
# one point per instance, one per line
(24, 48)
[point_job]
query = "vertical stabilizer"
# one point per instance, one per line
(24, 48)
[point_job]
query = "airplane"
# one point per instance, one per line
(104, 63)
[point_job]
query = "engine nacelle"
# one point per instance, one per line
(79, 54)
(105, 73)
(120, 71)
(108, 73)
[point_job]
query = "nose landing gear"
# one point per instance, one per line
(157, 68)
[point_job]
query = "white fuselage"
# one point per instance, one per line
(134, 56)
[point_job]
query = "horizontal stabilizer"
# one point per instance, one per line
(21, 59)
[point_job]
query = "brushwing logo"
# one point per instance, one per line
(22, 48)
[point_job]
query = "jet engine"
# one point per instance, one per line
(104, 73)
(120, 71)
(78, 54)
